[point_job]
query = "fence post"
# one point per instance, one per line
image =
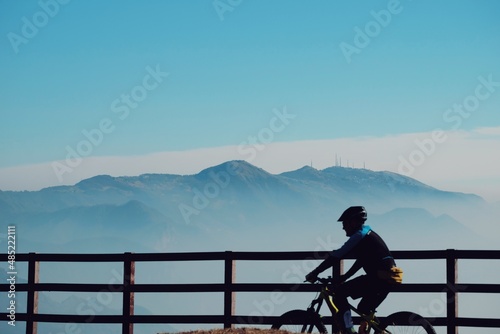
(452, 301)
(128, 295)
(229, 295)
(32, 302)
(337, 270)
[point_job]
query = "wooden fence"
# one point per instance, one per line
(229, 287)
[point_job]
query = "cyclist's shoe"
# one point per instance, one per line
(350, 331)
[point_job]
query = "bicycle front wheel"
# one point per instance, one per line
(407, 323)
(300, 321)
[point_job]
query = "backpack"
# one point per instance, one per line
(391, 276)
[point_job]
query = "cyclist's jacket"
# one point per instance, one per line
(369, 250)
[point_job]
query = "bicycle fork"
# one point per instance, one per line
(369, 320)
(327, 296)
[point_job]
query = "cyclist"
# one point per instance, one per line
(371, 254)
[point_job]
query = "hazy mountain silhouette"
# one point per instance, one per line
(233, 199)
(231, 206)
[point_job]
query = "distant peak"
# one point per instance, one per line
(226, 165)
(307, 168)
(307, 172)
(235, 167)
(96, 180)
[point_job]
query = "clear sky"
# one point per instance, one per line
(129, 87)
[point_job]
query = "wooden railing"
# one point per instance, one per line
(229, 287)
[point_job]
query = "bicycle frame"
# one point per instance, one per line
(310, 319)
(326, 295)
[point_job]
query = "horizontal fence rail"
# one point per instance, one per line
(228, 287)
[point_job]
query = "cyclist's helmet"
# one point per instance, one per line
(356, 212)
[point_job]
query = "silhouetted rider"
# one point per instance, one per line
(371, 254)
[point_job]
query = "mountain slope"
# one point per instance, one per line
(228, 198)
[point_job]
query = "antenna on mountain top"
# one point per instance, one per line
(338, 161)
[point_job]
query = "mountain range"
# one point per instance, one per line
(233, 199)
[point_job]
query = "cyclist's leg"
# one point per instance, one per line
(375, 292)
(374, 296)
(355, 289)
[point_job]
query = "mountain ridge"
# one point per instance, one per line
(227, 197)
(234, 179)
(124, 182)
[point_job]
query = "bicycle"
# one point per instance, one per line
(307, 320)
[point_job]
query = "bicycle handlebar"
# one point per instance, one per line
(328, 280)
(322, 280)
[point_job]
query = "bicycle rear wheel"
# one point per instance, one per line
(407, 323)
(300, 321)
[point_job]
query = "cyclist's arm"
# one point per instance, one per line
(354, 269)
(342, 251)
(351, 243)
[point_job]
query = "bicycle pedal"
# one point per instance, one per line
(363, 328)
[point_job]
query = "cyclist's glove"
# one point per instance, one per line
(312, 276)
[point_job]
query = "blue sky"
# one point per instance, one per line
(67, 67)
